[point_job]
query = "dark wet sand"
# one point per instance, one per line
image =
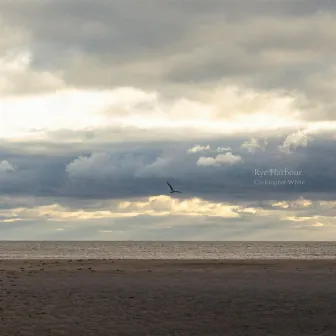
(208, 298)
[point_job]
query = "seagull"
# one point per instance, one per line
(172, 190)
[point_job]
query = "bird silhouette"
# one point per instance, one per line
(172, 190)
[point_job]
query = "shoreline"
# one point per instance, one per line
(252, 260)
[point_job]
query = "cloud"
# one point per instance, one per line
(134, 169)
(295, 140)
(221, 159)
(199, 93)
(253, 145)
(299, 203)
(204, 148)
(128, 107)
(158, 168)
(163, 218)
(191, 207)
(223, 149)
(107, 165)
(198, 148)
(152, 206)
(318, 224)
(16, 77)
(6, 167)
(86, 166)
(281, 47)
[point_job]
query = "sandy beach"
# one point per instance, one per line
(158, 297)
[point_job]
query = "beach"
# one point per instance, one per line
(167, 297)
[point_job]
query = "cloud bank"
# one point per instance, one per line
(232, 102)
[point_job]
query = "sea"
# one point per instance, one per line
(166, 250)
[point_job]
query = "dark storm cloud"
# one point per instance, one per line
(119, 28)
(34, 175)
(179, 45)
(135, 170)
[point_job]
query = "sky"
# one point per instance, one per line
(232, 102)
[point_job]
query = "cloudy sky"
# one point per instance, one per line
(232, 101)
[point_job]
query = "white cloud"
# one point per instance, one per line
(137, 215)
(295, 140)
(17, 77)
(310, 225)
(299, 203)
(305, 218)
(253, 145)
(318, 224)
(254, 211)
(6, 167)
(223, 149)
(151, 206)
(191, 207)
(35, 115)
(328, 204)
(199, 148)
(204, 148)
(221, 159)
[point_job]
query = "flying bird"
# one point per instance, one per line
(172, 190)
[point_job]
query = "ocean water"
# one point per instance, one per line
(168, 250)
